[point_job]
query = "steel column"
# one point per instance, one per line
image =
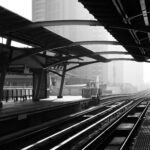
(5, 58)
(62, 80)
(2, 81)
(39, 84)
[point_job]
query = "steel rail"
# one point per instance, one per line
(54, 137)
(45, 126)
(124, 145)
(100, 136)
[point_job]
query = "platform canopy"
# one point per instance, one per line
(44, 49)
(127, 20)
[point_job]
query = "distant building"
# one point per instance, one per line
(127, 72)
(134, 74)
(115, 72)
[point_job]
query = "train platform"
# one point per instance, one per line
(11, 107)
(143, 137)
(15, 116)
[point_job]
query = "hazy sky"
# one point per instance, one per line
(23, 8)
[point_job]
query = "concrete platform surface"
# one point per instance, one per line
(18, 116)
(12, 107)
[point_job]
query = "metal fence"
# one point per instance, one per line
(17, 93)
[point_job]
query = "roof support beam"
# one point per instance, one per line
(118, 59)
(81, 65)
(108, 43)
(121, 53)
(55, 72)
(109, 60)
(74, 62)
(112, 52)
(94, 42)
(34, 51)
(5, 29)
(101, 53)
(124, 59)
(90, 23)
(65, 59)
(14, 27)
(67, 22)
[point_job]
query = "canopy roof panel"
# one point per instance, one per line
(127, 21)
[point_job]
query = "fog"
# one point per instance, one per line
(122, 73)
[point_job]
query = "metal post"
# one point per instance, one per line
(39, 84)
(4, 63)
(62, 81)
(37, 77)
(2, 80)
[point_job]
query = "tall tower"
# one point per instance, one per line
(72, 9)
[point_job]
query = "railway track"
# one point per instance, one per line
(121, 133)
(33, 134)
(76, 137)
(77, 128)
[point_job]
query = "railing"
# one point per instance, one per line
(17, 93)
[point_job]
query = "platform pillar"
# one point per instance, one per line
(2, 81)
(39, 84)
(62, 81)
(3, 71)
(5, 57)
